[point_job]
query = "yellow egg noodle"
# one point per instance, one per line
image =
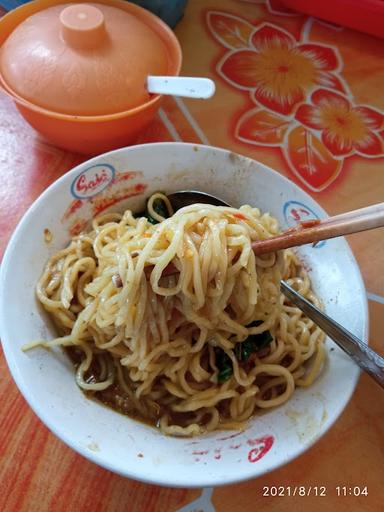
(169, 345)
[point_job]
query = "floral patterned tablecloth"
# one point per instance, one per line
(304, 97)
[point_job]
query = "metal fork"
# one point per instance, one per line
(368, 360)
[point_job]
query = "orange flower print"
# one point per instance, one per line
(345, 129)
(301, 109)
(278, 71)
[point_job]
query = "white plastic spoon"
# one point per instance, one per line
(185, 86)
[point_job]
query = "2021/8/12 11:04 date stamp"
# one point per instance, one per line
(314, 490)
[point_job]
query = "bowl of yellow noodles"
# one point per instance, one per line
(154, 341)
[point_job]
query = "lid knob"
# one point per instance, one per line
(83, 26)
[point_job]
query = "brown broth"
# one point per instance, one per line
(116, 398)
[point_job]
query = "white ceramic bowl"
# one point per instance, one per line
(46, 379)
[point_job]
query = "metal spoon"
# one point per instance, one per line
(368, 360)
(183, 198)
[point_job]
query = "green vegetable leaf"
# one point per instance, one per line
(225, 374)
(147, 216)
(224, 365)
(242, 350)
(151, 219)
(160, 208)
(253, 343)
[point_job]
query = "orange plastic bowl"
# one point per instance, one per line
(91, 134)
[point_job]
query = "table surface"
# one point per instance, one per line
(322, 127)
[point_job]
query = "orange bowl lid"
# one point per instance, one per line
(83, 59)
